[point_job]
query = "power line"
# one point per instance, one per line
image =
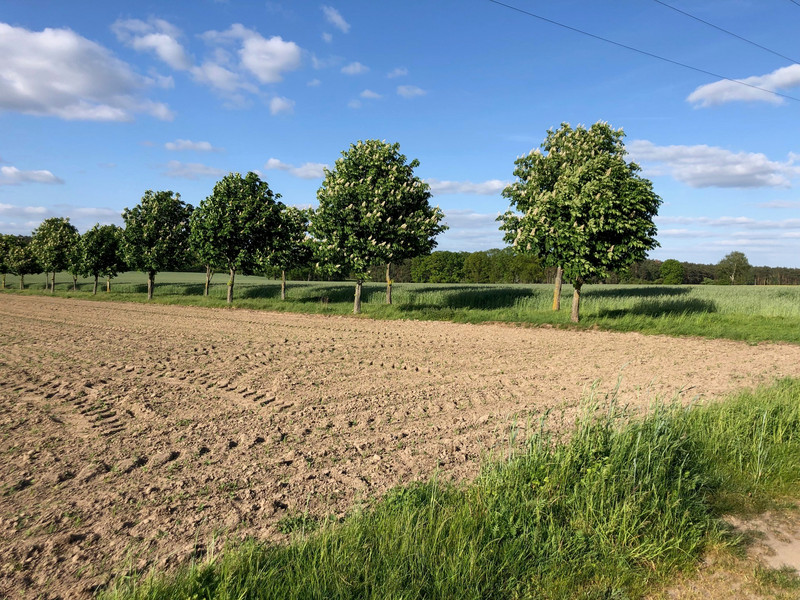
(644, 52)
(795, 2)
(691, 16)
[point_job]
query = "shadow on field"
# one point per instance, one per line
(644, 291)
(477, 298)
(660, 308)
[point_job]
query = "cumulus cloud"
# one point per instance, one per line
(492, 187)
(56, 72)
(157, 36)
(327, 37)
(307, 170)
(13, 176)
(370, 94)
(709, 166)
(179, 145)
(354, 104)
(182, 170)
(335, 18)
(398, 72)
(354, 68)
(410, 91)
(266, 58)
(721, 92)
(281, 106)
(314, 83)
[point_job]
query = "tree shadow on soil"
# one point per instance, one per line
(661, 308)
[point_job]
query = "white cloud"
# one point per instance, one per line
(747, 223)
(179, 145)
(24, 219)
(307, 170)
(720, 92)
(354, 104)
(410, 91)
(780, 204)
(327, 37)
(470, 230)
(56, 72)
(155, 35)
(217, 76)
(398, 72)
(281, 106)
(176, 168)
(354, 68)
(13, 211)
(268, 59)
(314, 83)
(265, 59)
(370, 94)
(335, 18)
(13, 176)
(710, 166)
(492, 187)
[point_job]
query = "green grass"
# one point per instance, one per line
(750, 313)
(610, 513)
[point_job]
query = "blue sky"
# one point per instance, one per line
(102, 101)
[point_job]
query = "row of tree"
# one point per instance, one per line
(579, 211)
(372, 210)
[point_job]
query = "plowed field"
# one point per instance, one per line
(133, 435)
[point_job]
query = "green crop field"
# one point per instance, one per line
(750, 313)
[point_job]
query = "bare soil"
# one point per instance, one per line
(133, 436)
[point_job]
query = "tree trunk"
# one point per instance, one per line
(53, 284)
(576, 301)
(4, 281)
(388, 284)
(230, 285)
(74, 283)
(357, 302)
(209, 275)
(151, 282)
(108, 284)
(283, 284)
(22, 282)
(557, 289)
(94, 290)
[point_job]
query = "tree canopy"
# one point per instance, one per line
(293, 250)
(156, 235)
(101, 252)
(372, 210)
(53, 244)
(735, 269)
(672, 272)
(239, 221)
(580, 205)
(21, 259)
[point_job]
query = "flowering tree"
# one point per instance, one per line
(581, 206)
(372, 210)
(21, 259)
(156, 235)
(235, 224)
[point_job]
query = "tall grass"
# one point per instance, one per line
(608, 513)
(752, 313)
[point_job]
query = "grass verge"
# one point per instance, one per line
(748, 313)
(608, 513)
